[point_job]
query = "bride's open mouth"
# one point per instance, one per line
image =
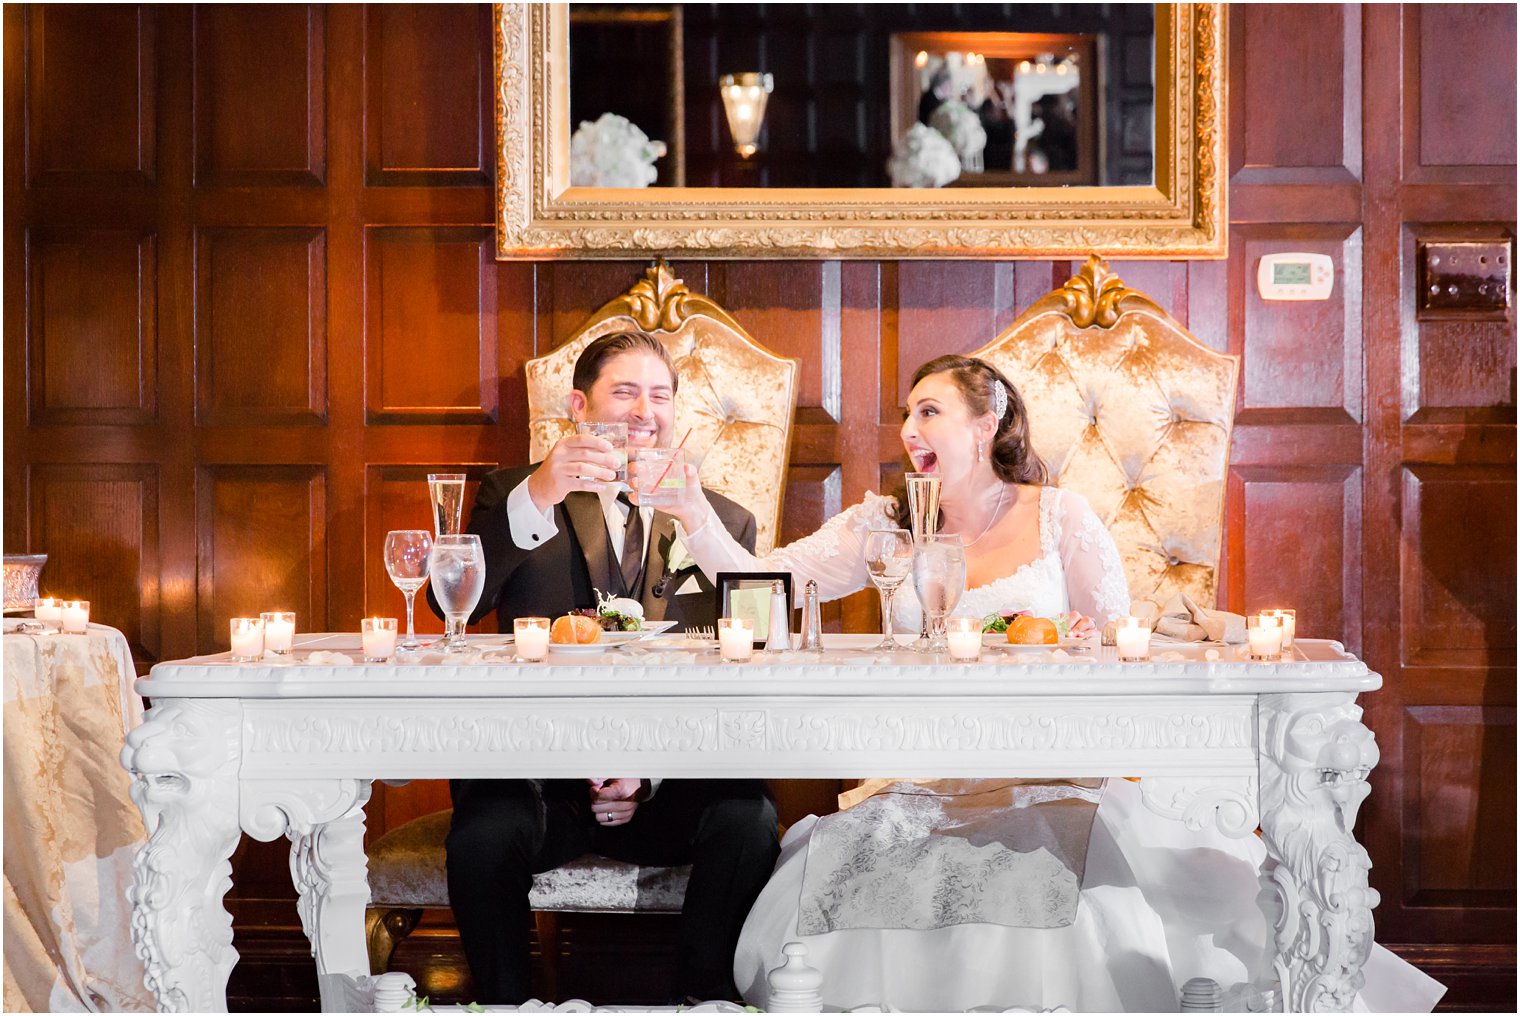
(924, 460)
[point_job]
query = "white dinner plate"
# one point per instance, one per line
(579, 649)
(617, 638)
(998, 640)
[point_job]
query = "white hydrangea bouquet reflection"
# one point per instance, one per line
(612, 152)
(961, 126)
(923, 158)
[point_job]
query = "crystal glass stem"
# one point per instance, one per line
(888, 642)
(411, 636)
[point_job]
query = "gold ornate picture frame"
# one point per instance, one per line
(540, 216)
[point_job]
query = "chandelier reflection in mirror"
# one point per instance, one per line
(744, 97)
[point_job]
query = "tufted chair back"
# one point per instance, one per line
(736, 397)
(1132, 412)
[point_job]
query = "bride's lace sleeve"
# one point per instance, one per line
(834, 556)
(1095, 582)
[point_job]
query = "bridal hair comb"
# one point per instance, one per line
(999, 399)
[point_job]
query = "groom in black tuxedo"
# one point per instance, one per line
(552, 534)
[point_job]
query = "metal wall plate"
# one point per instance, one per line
(1465, 278)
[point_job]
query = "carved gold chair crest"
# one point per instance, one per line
(735, 397)
(1135, 414)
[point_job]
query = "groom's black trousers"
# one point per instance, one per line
(504, 831)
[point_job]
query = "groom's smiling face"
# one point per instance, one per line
(633, 388)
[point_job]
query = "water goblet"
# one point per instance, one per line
(406, 562)
(457, 569)
(939, 578)
(889, 558)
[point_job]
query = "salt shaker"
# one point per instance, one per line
(780, 637)
(812, 618)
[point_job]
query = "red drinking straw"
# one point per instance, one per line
(672, 460)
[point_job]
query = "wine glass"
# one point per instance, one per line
(458, 572)
(889, 557)
(406, 562)
(939, 578)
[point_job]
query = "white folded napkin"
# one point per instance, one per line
(1182, 620)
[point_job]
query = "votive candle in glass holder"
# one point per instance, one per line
(1289, 621)
(378, 635)
(247, 639)
(964, 635)
(1264, 637)
(1132, 636)
(74, 617)
(736, 639)
(531, 637)
(279, 631)
(48, 610)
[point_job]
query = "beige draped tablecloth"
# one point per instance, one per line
(71, 830)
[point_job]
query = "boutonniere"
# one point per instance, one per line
(677, 557)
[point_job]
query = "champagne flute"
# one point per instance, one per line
(939, 578)
(446, 494)
(923, 518)
(889, 558)
(458, 571)
(406, 562)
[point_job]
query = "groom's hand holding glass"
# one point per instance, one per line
(576, 462)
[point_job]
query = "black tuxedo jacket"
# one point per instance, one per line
(561, 575)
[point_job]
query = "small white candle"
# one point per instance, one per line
(75, 616)
(964, 635)
(736, 638)
(247, 635)
(48, 610)
(279, 630)
(378, 635)
(1133, 638)
(531, 638)
(1289, 621)
(1264, 635)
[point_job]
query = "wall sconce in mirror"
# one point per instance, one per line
(744, 98)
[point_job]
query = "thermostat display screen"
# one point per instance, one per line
(1290, 273)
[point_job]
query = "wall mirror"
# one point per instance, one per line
(1059, 132)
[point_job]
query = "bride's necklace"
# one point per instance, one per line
(1002, 490)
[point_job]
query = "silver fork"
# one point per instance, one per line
(699, 632)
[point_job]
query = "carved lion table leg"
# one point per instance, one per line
(1315, 757)
(324, 820)
(185, 758)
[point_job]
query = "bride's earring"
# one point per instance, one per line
(980, 449)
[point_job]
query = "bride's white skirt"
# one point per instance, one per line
(1160, 904)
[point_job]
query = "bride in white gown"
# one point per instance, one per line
(952, 895)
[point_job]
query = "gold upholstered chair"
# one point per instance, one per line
(737, 399)
(1132, 412)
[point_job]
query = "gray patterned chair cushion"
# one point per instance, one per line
(406, 869)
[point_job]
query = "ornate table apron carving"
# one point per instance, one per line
(291, 751)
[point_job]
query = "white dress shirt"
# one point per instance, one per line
(532, 528)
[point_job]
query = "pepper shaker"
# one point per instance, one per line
(812, 617)
(780, 637)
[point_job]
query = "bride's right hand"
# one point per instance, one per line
(689, 506)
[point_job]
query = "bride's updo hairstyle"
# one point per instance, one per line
(1014, 459)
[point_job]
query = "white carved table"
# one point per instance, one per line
(291, 750)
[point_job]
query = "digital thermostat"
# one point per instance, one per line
(1295, 276)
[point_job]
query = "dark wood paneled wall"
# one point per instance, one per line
(249, 301)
